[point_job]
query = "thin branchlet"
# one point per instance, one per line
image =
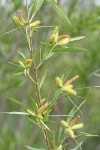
(36, 74)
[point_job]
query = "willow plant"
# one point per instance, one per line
(42, 106)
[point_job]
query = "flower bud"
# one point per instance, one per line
(39, 116)
(30, 112)
(69, 89)
(35, 24)
(43, 100)
(20, 17)
(54, 36)
(63, 40)
(71, 80)
(43, 107)
(17, 21)
(70, 133)
(64, 124)
(77, 126)
(58, 81)
(75, 120)
(28, 63)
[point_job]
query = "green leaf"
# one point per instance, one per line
(76, 38)
(21, 63)
(56, 94)
(69, 49)
(60, 12)
(88, 134)
(95, 73)
(8, 32)
(49, 55)
(35, 53)
(49, 110)
(44, 125)
(70, 114)
(31, 113)
(46, 51)
(32, 120)
(18, 74)
(48, 122)
(35, 6)
(35, 106)
(43, 78)
(14, 64)
(18, 102)
(54, 140)
(60, 136)
(22, 55)
(31, 148)
(21, 30)
(67, 74)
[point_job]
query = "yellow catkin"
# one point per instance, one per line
(63, 40)
(58, 81)
(20, 16)
(69, 89)
(61, 37)
(70, 133)
(71, 80)
(35, 24)
(77, 126)
(75, 120)
(39, 116)
(29, 61)
(43, 107)
(54, 36)
(64, 124)
(43, 100)
(17, 21)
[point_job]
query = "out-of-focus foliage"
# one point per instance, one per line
(15, 132)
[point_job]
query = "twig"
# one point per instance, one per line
(36, 75)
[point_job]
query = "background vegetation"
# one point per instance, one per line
(16, 131)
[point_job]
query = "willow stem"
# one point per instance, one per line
(36, 74)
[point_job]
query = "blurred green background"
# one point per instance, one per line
(16, 131)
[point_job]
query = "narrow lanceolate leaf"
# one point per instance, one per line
(69, 49)
(8, 32)
(18, 74)
(35, 105)
(18, 102)
(31, 148)
(66, 75)
(44, 125)
(14, 64)
(76, 38)
(43, 78)
(35, 6)
(70, 114)
(56, 94)
(19, 28)
(21, 63)
(60, 12)
(22, 55)
(60, 136)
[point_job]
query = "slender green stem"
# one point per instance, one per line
(36, 75)
(32, 79)
(46, 138)
(46, 56)
(39, 97)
